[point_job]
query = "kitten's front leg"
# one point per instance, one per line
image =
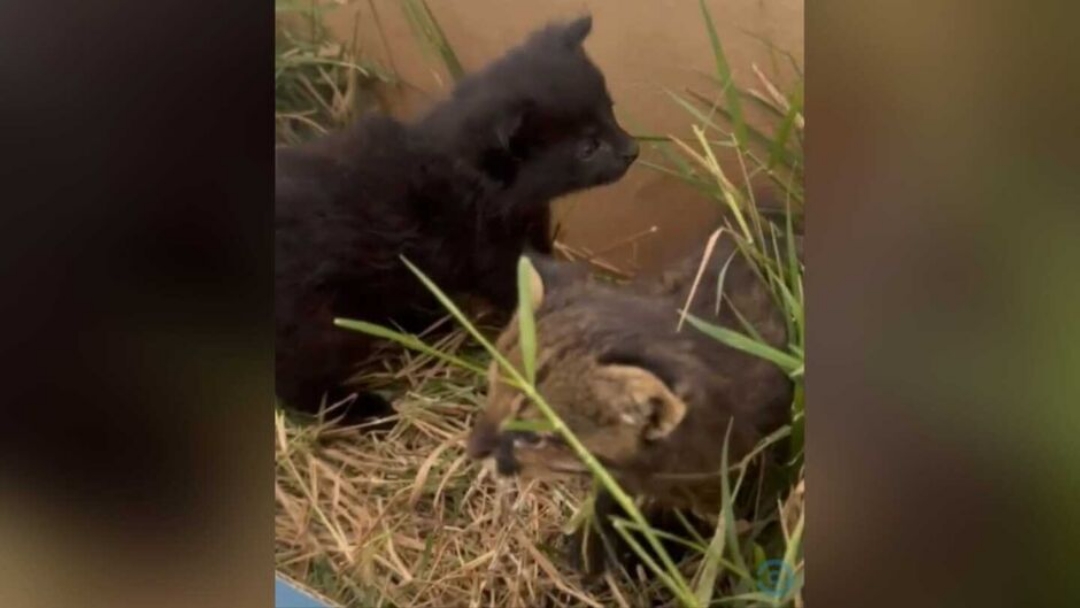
(500, 286)
(539, 236)
(595, 545)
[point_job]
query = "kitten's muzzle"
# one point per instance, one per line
(486, 441)
(483, 441)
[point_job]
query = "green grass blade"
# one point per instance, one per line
(766, 442)
(778, 149)
(798, 425)
(408, 341)
(700, 116)
(753, 334)
(690, 530)
(746, 344)
(725, 534)
(450, 58)
(720, 278)
(758, 102)
(723, 70)
(691, 544)
(789, 159)
(460, 317)
(706, 188)
(526, 321)
(651, 138)
(712, 567)
(531, 426)
(756, 598)
(795, 545)
(773, 48)
(684, 596)
(727, 513)
(426, 27)
(794, 273)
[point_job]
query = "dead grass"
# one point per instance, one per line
(404, 519)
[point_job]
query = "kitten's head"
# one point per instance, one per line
(543, 107)
(642, 397)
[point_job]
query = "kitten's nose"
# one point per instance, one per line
(630, 152)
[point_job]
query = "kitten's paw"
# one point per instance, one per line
(585, 554)
(362, 408)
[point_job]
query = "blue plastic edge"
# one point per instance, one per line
(287, 596)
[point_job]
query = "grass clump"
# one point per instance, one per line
(403, 519)
(319, 83)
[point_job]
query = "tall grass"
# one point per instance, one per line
(319, 84)
(719, 126)
(769, 242)
(430, 35)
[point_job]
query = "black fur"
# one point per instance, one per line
(461, 193)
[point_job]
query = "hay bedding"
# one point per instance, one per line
(405, 519)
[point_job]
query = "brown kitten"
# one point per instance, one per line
(650, 402)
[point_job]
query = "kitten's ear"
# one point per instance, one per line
(646, 400)
(509, 126)
(575, 32)
(547, 275)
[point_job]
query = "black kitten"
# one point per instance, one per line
(462, 193)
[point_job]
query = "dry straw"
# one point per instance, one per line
(404, 519)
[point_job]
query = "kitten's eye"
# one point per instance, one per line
(588, 147)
